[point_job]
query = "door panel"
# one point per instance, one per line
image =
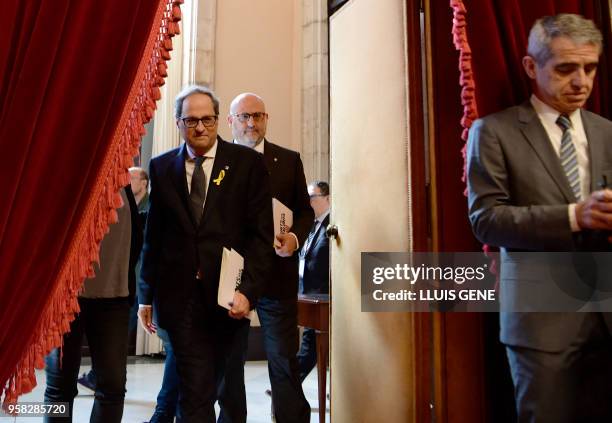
(372, 354)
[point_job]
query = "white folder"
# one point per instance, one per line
(283, 218)
(230, 277)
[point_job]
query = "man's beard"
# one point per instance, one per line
(249, 142)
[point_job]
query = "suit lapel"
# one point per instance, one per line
(536, 135)
(220, 171)
(177, 174)
(269, 156)
(595, 136)
(318, 235)
(322, 228)
(276, 176)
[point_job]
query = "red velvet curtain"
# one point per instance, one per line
(78, 79)
(497, 37)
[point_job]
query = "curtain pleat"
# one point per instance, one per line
(78, 81)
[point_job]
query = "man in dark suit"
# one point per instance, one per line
(277, 309)
(205, 195)
(533, 174)
(314, 269)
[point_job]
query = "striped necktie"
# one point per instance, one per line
(313, 231)
(198, 189)
(568, 157)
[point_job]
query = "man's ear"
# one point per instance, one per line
(229, 120)
(529, 64)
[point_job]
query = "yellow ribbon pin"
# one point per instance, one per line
(219, 178)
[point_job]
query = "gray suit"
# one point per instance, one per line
(518, 200)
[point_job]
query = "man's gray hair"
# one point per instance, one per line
(577, 28)
(190, 90)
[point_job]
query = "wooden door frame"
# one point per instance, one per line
(437, 375)
(449, 387)
(420, 207)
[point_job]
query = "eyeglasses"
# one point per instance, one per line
(317, 195)
(207, 121)
(244, 117)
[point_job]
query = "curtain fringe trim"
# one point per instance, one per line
(100, 210)
(466, 79)
(468, 100)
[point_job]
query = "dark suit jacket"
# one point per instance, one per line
(289, 187)
(518, 200)
(316, 263)
(135, 242)
(237, 214)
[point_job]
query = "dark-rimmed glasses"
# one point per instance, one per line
(207, 121)
(244, 117)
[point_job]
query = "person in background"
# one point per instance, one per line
(105, 303)
(139, 183)
(167, 398)
(277, 309)
(314, 269)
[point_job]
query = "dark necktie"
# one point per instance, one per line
(568, 156)
(313, 231)
(198, 193)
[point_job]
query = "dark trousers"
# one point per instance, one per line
(574, 385)
(231, 392)
(202, 342)
(133, 318)
(105, 323)
(167, 398)
(307, 356)
(279, 323)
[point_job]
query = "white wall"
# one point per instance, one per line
(258, 49)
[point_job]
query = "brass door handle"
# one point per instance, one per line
(331, 231)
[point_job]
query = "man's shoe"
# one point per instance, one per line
(86, 382)
(159, 417)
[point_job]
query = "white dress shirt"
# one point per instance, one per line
(207, 165)
(548, 117)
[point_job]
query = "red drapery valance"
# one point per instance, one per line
(78, 80)
(491, 37)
